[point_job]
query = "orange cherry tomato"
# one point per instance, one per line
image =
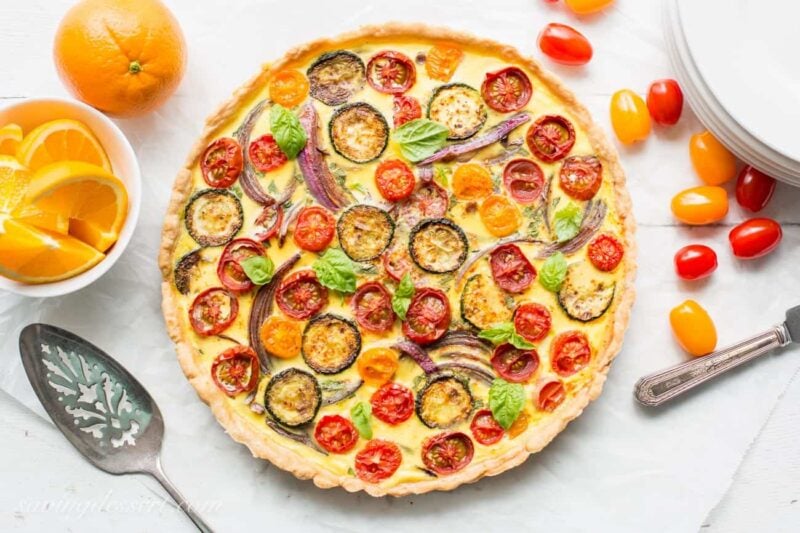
(711, 160)
(500, 216)
(700, 205)
(693, 328)
(584, 7)
(472, 182)
(442, 60)
(519, 426)
(629, 116)
(281, 337)
(377, 366)
(288, 88)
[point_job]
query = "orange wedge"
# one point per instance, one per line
(14, 181)
(61, 140)
(10, 137)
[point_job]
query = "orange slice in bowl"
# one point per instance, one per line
(10, 138)
(14, 181)
(61, 140)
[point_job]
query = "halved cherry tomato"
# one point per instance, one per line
(213, 311)
(485, 428)
(665, 102)
(376, 366)
(301, 295)
(428, 201)
(428, 316)
(378, 460)
(550, 138)
(394, 180)
(265, 154)
(222, 162)
(391, 72)
(754, 189)
(397, 262)
(693, 328)
(500, 216)
(581, 176)
(551, 395)
(570, 353)
(629, 117)
(532, 321)
(229, 268)
(288, 88)
(472, 181)
(281, 337)
(524, 180)
(442, 60)
(268, 222)
(584, 7)
(564, 44)
(392, 403)
(714, 163)
(314, 228)
(755, 238)
(605, 252)
(446, 453)
(695, 261)
(236, 370)
(405, 109)
(372, 307)
(514, 364)
(519, 426)
(511, 270)
(506, 90)
(336, 434)
(700, 205)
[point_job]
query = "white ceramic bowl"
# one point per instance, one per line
(31, 112)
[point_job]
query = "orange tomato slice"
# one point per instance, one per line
(442, 61)
(500, 216)
(377, 365)
(472, 182)
(288, 88)
(281, 337)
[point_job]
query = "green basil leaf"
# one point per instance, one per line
(336, 271)
(420, 138)
(401, 298)
(498, 333)
(286, 128)
(506, 401)
(553, 272)
(259, 269)
(361, 413)
(442, 175)
(517, 341)
(568, 222)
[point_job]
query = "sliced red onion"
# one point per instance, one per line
(298, 436)
(464, 357)
(461, 338)
(250, 185)
(287, 193)
(347, 390)
(425, 173)
(320, 181)
(415, 352)
(288, 218)
(480, 253)
(473, 371)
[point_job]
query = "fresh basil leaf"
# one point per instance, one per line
(506, 401)
(259, 269)
(420, 138)
(568, 222)
(553, 272)
(517, 341)
(336, 271)
(361, 413)
(286, 128)
(498, 333)
(401, 298)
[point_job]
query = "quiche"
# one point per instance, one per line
(398, 260)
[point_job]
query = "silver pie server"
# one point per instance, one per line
(660, 387)
(98, 405)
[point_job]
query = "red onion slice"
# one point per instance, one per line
(250, 185)
(415, 352)
(320, 181)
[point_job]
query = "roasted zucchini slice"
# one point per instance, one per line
(583, 296)
(330, 343)
(444, 401)
(438, 245)
(459, 107)
(483, 304)
(213, 217)
(293, 397)
(336, 76)
(365, 232)
(185, 271)
(358, 132)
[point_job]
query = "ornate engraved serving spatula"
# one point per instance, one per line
(98, 405)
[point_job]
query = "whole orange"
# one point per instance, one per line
(124, 57)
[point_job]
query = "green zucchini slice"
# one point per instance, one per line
(583, 296)
(438, 245)
(293, 397)
(185, 271)
(483, 304)
(336, 76)
(459, 107)
(364, 232)
(330, 343)
(444, 401)
(358, 132)
(213, 217)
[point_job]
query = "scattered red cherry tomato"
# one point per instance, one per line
(506, 90)
(629, 117)
(755, 238)
(693, 328)
(391, 72)
(532, 321)
(754, 189)
(392, 403)
(428, 316)
(564, 44)
(222, 162)
(314, 228)
(570, 352)
(514, 364)
(700, 205)
(378, 460)
(695, 261)
(584, 7)
(213, 310)
(550, 138)
(405, 109)
(394, 180)
(300, 295)
(229, 268)
(511, 270)
(485, 428)
(665, 102)
(551, 395)
(446, 453)
(711, 160)
(372, 306)
(236, 370)
(265, 154)
(605, 252)
(336, 434)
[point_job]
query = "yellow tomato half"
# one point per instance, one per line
(693, 328)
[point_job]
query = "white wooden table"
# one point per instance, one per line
(617, 468)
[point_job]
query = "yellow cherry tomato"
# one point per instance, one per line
(693, 328)
(629, 116)
(376, 366)
(584, 7)
(500, 216)
(700, 205)
(519, 426)
(711, 160)
(288, 88)
(472, 182)
(442, 60)
(281, 337)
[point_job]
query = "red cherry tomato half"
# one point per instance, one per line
(511, 270)
(754, 189)
(314, 228)
(265, 154)
(506, 90)
(550, 138)
(564, 44)
(755, 238)
(446, 453)
(236, 370)
(665, 102)
(268, 222)
(392, 403)
(222, 162)
(524, 180)
(213, 311)
(695, 261)
(301, 295)
(605, 252)
(428, 316)
(514, 364)
(372, 306)
(581, 176)
(391, 72)
(336, 434)
(485, 428)
(551, 395)
(229, 268)
(397, 262)
(405, 109)
(394, 180)
(532, 321)
(570, 353)
(428, 201)
(378, 460)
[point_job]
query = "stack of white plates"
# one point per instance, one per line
(738, 62)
